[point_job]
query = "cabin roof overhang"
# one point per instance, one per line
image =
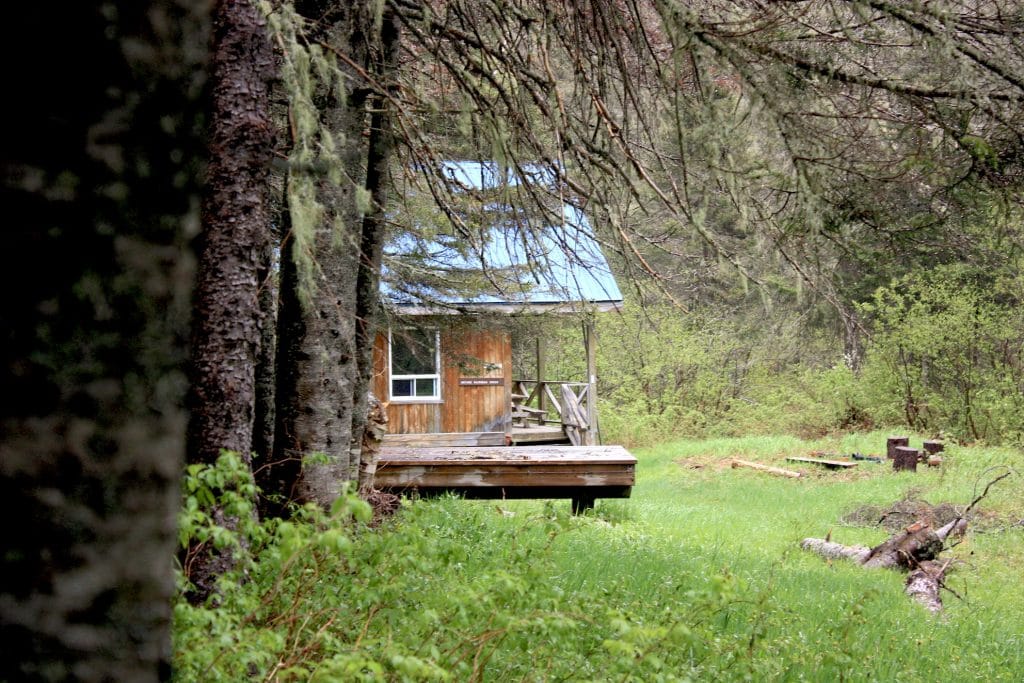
(550, 266)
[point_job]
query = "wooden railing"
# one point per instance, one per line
(565, 403)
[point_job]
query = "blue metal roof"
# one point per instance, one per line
(511, 262)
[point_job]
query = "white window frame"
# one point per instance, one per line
(436, 396)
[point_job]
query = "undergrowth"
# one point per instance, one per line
(697, 577)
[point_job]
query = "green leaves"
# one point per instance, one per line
(945, 354)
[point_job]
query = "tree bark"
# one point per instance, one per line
(100, 183)
(371, 250)
(915, 544)
(924, 585)
(317, 368)
(236, 233)
(893, 442)
(905, 458)
(236, 214)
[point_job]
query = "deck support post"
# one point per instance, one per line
(581, 505)
(590, 346)
(542, 397)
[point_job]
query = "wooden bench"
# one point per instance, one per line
(580, 473)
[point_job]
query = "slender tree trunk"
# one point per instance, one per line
(273, 477)
(263, 424)
(371, 249)
(236, 234)
(100, 184)
(853, 338)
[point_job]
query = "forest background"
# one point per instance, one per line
(816, 205)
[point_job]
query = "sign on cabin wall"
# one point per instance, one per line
(481, 381)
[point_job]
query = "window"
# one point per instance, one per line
(415, 365)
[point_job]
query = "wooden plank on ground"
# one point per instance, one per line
(445, 439)
(766, 468)
(831, 464)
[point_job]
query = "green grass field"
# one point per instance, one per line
(692, 518)
(698, 576)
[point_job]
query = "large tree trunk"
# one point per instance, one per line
(100, 182)
(236, 234)
(315, 375)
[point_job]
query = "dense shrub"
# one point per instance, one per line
(665, 374)
(947, 354)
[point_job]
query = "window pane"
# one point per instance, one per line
(425, 387)
(401, 387)
(413, 352)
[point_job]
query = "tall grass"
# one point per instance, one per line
(697, 577)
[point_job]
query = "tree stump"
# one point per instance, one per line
(905, 458)
(893, 442)
(933, 446)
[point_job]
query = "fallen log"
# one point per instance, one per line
(914, 550)
(924, 584)
(766, 468)
(836, 551)
(914, 545)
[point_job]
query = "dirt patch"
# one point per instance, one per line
(710, 463)
(903, 513)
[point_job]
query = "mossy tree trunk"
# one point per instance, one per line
(330, 264)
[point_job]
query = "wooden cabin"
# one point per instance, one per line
(440, 376)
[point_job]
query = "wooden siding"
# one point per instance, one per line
(461, 408)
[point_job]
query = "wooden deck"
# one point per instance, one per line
(580, 473)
